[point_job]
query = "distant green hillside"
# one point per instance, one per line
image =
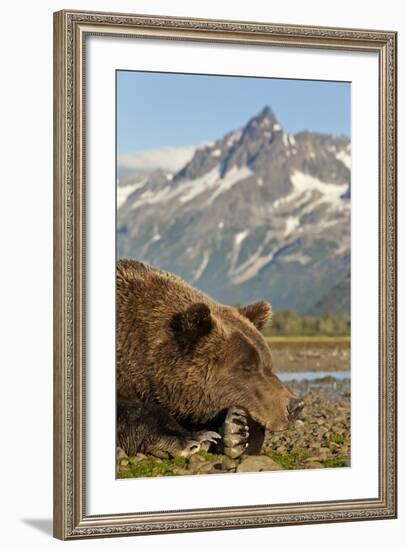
(289, 323)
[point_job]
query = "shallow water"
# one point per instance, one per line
(311, 376)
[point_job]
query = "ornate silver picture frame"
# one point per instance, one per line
(72, 29)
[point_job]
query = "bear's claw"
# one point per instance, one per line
(212, 437)
(190, 447)
(200, 441)
(235, 433)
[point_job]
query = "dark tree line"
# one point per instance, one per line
(289, 323)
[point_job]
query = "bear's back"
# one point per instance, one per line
(145, 288)
(147, 299)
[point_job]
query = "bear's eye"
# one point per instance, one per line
(247, 369)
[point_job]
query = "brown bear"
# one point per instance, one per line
(192, 373)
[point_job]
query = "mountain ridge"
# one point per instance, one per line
(257, 214)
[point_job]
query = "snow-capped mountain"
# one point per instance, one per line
(257, 214)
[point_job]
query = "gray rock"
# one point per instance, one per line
(338, 429)
(258, 464)
(196, 459)
(312, 459)
(313, 465)
(137, 459)
(120, 453)
(162, 454)
(142, 456)
(204, 467)
(181, 471)
(228, 464)
(323, 452)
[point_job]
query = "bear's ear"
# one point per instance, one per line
(258, 313)
(191, 325)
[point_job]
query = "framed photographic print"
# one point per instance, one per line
(225, 274)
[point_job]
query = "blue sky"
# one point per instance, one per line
(164, 110)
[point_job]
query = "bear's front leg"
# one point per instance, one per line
(235, 433)
(149, 428)
(240, 434)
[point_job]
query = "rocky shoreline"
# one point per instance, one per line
(320, 438)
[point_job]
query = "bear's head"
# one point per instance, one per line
(230, 362)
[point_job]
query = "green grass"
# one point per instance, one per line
(336, 438)
(213, 457)
(294, 460)
(152, 468)
(291, 460)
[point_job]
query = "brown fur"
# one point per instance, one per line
(179, 349)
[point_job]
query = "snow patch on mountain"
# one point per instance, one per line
(202, 266)
(251, 267)
(185, 192)
(229, 180)
(291, 223)
(237, 244)
(192, 188)
(344, 157)
(330, 192)
(298, 257)
(124, 191)
(234, 137)
(150, 197)
(240, 237)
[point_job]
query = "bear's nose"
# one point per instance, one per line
(294, 407)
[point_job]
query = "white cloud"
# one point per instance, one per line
(165, 158)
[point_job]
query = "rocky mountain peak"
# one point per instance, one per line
(258, 214)
(265, 119)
